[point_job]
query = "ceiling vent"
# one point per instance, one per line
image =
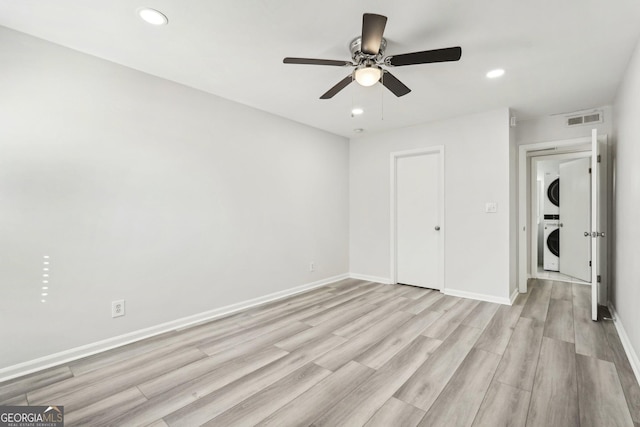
(585, 119)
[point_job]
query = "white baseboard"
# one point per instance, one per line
(479, 297)
(626, 343)
(66, 356)
(514, 295)
(384, 280)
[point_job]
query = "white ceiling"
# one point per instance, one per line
(559, 55)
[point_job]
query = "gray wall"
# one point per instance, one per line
(138, 188)
(626, 233)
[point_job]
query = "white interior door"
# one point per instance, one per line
(575, 219)
(417, 220)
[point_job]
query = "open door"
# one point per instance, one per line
(575, 219)
(598, 219)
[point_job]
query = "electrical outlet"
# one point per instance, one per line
(117, 308)
(312, 266)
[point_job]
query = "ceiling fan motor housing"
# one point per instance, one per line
(359, 57)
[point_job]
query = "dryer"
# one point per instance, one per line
(551, 204)
(551, 253)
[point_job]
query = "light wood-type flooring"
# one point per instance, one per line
(358, 353)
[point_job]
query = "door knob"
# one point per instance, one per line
(560, 224)
(586, 234)
(437, 227)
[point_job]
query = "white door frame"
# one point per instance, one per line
(394, 156)
(533, 168)
(524, 224)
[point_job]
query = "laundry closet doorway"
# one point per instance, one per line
(417, 215)
(528, 218)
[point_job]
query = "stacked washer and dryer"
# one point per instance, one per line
(551, 218)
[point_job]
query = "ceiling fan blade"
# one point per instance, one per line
(372, 31)
(394, 85)
(337, 88)
(425, 57)
(312, 61)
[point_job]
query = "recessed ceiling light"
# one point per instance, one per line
(498, 72)
(358, 130)
(152, 16)
(357, 111)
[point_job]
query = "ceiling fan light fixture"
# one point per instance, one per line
(368, 75)
(152, 16)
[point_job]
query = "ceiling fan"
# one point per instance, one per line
(367, 52)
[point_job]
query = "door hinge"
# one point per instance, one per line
(599, 158)
(589, 263)
(599, 279)
(589, 170)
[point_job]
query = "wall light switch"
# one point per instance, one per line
(491, 207)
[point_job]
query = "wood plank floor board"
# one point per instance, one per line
(458, 312)
(294, 341)
(264, 403)
(481, 315)
(35, 381)
(337, 310)
(601, 399)
(354, 347)
(423, 302)
(538, 303)
(364, 401)
(76, 398)
(504, 406)
(559, 323)
(440, 329)
(211, 372)
(423, 388)
(221, 400)
(19, 400)
(554, 399)
(630, 385)
(244, 378)
(99, 412)
(497, 333)
(445, 303)
(518, 365)
(380, 353)
(320, 398)
(458, 403)
(246, 334)
(364, 322)
(290, 329)
(129, 367)
(396, 413)
(117, 355)
(562, 291)
(581, 296)
(415, 292)
(590, 336)
(165, 398)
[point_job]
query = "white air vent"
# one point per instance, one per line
(585, 119)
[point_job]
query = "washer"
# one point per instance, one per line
(551, 254)
(551, 195)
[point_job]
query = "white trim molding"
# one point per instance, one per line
(634, 361)
(479, 297)
(66, 356)
(523, 203)
(393, 157)
(384, 280)
(514, 295)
